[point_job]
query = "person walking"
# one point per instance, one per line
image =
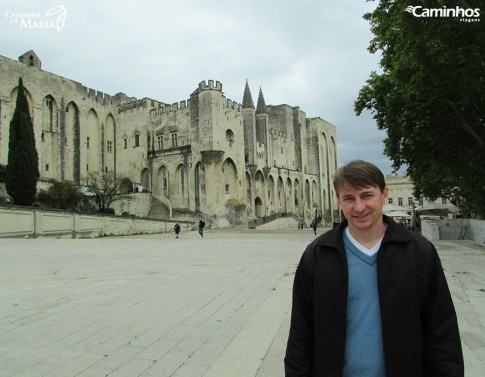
(335, 222)
(176, 229)
(201, 227)
(314, 226)
(370, 298)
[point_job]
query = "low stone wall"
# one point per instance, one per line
(477, 231)
(23, 222)
(454, 229)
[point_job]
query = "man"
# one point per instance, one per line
(201, 227)
(176, 229)
(314, 226)
(335, 222)
(370, 298)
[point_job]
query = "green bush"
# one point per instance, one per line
(108, 211)
(61, 195)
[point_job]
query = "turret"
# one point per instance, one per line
(261, 108)
(262, 126)
(30, 59)
(205, 115)
(249, 123)
(247, 102)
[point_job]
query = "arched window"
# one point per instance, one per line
(229, 172)
(137, 139)
(230, 138)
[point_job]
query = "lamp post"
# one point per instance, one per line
(414, 217)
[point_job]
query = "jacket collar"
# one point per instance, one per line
(394, 233)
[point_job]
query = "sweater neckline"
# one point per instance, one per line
(366, 250)
(358, 250)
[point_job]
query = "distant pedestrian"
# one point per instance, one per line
(314, 226)
(201, 227)
(176, 229)
(335, 223)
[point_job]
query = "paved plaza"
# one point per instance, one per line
(155, 306)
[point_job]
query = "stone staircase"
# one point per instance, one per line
(252, 224)
(158, 210)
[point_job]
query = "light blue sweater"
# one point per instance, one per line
(364, 352)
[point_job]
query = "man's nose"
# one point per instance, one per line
(359, 205)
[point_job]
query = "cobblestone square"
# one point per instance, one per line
(159, 306)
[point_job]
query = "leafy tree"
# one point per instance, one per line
(61, 195)
(430, 98)
(22, 171)
(106, 189)
(3, 169)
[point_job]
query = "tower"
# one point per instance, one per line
(249, 124)
(30, 59)
(262, 127)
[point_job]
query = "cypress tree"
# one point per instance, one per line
(22, 171)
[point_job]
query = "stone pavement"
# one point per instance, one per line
(155, 306)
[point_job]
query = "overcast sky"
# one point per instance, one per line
(307, 53)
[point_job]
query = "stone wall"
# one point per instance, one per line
(477, 231)
(18, 222)
(454, 229)
(136, 204)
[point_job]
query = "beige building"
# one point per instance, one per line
(401, 193)
(203, 155)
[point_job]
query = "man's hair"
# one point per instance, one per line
(359, 174)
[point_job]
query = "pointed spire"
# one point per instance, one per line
(247, 98)
(261, 107)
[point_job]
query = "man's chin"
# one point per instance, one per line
(361, 223)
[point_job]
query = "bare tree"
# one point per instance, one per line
(105, 187)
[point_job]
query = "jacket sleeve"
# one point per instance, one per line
(443, 355)
(301, 341)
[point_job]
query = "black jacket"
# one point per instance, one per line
(419, 325)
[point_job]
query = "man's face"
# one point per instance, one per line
(362, 206)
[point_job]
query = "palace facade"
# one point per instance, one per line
(204, 155)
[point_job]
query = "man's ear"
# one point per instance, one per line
(385, 195)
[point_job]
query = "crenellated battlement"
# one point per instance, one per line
(164, 108)
(277, 134)
(260, 148)
(98, 96)
(130, 106)
(140, 104)
(233, 105)
(209, 85)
